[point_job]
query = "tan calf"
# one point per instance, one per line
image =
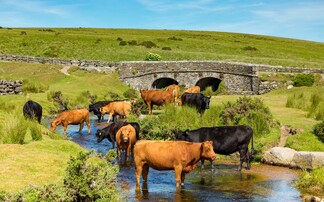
(125, 140)
(194, 89)
(72, 117)
(180, 156)
(121, 108)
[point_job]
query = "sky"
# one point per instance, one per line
(297, 19)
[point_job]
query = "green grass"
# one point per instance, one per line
(37, 163)
(312, 182)
(102, 44)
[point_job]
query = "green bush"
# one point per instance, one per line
(123, 43)
(318, 131)
(130, 94)
(132, 43)
(248, 111)
(139, 107)
(61, 102)
(148, 44)
(152, 57)
(166, 48)
(304, 80)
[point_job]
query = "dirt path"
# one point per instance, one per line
(65, 69)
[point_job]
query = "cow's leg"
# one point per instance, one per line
(242, 157)
(65, 128)
(118, 153)
(183, 175)
(145, 172)
(202, 163)
(248, 164)
(110, 115)
(178, 171)
(212, 165)
(149, 106)
(139, 168)
(128, 151)
(88, 124)
(81, 127)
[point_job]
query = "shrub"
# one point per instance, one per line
(23, 33)
(148, 44)
(59, 100)
(130, 94)
(139, 107)
(175, 38)
(132, 43)
(166, 48)
(13, 131)
(123, 43)
(152, 57)
(113, 96)
(52, 51)
(249, 48)
(98, 41)
(304, 80)
(248, 111)
(318, 131)
(119, 39)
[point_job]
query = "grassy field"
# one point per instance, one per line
(21, 165)
(102, 44)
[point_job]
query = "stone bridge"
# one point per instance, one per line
(239, 78)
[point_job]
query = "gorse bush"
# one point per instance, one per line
(152, 57)
(304, 80)
(248, 111)
(60, 101)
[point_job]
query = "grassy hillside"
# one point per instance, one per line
(102, 44)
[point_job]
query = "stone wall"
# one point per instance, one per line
(10, 87)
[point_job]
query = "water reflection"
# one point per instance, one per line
(262, 183)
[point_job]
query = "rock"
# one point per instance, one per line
(308, 160)
(281, 156)
(312, 199)
(290, 87)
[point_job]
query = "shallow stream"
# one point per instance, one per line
(261, 183)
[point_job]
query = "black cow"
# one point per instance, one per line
(226, 140)
(198, 100)
(95, 108)
(110, 131)
(33, 110)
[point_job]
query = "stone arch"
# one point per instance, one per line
(163, 82)
(208, 81)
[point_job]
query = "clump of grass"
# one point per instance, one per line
(249, 48)
(16, 129)
(298, 141)
(148, 44)
(166, 48)
(33, 87)
(132, 42)
(312, 182)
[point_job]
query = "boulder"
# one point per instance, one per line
(308, 160)
(281, 156)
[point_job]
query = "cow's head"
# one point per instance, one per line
(125, 134)
(99, 135)
(54, 124)
(181, 135)
(205, 102)
(207, 150)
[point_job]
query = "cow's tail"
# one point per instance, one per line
(252, 148)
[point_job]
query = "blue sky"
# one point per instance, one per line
(298, 19)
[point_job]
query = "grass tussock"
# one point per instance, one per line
(312, 103)
(312, 182)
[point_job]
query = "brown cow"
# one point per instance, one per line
(156, 97)
(121, 108)
(125, 140)
(175, 90)
(194, 89)
(72, 117)
(180, 156)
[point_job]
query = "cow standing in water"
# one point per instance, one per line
(72, 117)
(226, 140)
(110, 131)
(121, 108)
(33, 110)
(125, 140)
(180, 156)
(95, 109)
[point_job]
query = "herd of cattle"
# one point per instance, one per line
(181, 156)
